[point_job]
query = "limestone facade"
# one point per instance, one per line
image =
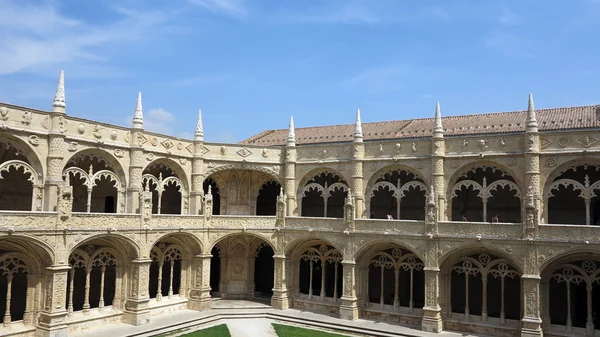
(491, 233)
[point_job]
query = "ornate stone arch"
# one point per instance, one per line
(216, 239)
(190, 243)
(29, 152)
(314, 172)
(447, 260)
(177, 169)
(380, 173)
(105, 156)
(459, 181)
(295, 248)
(326, 190)
(122, 245)
(39, 253)
(244, 167)
(378, 244)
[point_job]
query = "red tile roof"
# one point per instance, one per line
(579, 117)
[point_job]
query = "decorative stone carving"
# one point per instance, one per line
(182, 161)
(150, 156)
(34, 140)
(544, 142)
(167, 143)
(113, 135)
(414, 147)
(550, 161)
(153, 141)
(72, 146)
(223, 151)
(80, 129)
(483, 144)
(398, 147)
(265, 153)
(65, 202)
(97, 131)
(587, 141)
(4, 113)
(27, 117)
(465, 143)
(563, 141)
(119, 153)
(146, 205)
(502, 142)
(244, 152)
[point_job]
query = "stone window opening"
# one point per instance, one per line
(485, 193)
(572, 196)
(18, 181)
(14, 289)
(396, 278)
(485, 286)
(93, 181)
(571, 293)
(266, 201)
(323, 196)
(320, 273)
(165, 271)
(214, 190)
(91, 282)
(168, 192)
(398, 193)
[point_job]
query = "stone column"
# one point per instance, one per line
(51, 322)
(57, 124)
(437, 165)
(197, 191)
(358, 156)
(280, 298)
(432, 312)
(136, 307)
(531, 324)
(200, 294)
(136, 159)
(290, 170)
(349, 307)
(532, 157)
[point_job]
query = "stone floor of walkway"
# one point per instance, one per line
(256, 322)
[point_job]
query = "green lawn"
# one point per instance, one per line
(293, 331)
(215, 331)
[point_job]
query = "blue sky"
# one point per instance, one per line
(250, 64)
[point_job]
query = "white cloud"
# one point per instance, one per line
(156, 120)
(38, 37)
(230, 7)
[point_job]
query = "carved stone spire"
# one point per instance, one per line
(138, 116)
(291, 138)
(531, 125)
(199, 133)
(358, 134)
(438, 129)
(59, 97)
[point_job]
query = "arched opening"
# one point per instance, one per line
(570, 291)
(165, 270)
(398, 194)
(320, 273)
(484, 194)
(483, 287)
(168, 190)
(266, 202)
(215, 271)
(214, 190)
(395, 279)
(323, 195)
(92, 278)
(243, 267)
(94, 181)
(13, 287)
(264, 264)
(17, 179)
(571, 197)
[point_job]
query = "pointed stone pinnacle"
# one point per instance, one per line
(199, 133)
(438, 129)
(138, 116)
(59, 97)
(291, 139)
(531, 124)
(358, 134)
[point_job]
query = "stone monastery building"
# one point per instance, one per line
(481, 223)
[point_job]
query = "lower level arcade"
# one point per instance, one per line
(480, 289)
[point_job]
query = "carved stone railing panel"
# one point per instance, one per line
(241, 222)
(483, 229)
(570, 233)
(316, 224)
(104, 221)
(396, 227)
(18, 220)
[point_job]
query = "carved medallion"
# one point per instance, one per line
(587, 141)
(563, 141)
(27, 117)
(149, 156)
(179, 146)
(34, 140)
(167, 143)
(119, 153)
(97, 131)
(223, 151)
(550, 161)
(81, 129)
(72, 146)
(113, 135)
(265, 153)
(153, 141)
(244, 152)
